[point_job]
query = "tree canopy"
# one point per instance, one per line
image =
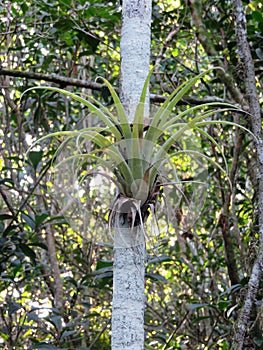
(56, 263)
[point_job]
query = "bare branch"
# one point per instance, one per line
(54, 78)
(65, 81)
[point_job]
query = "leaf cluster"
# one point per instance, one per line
(132, 154)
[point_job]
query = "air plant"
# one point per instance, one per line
(132, 153)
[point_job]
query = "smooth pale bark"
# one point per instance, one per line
(135, 51)
(129, 242)
(128, 289)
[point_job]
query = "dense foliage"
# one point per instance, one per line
(55, 273)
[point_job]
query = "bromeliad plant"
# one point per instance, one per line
(132, 153)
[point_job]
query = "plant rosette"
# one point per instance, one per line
(139, 173)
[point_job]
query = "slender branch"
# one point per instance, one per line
(94, 341)
(7, 201)
(159, 58)
(51, 244)
(44, 171)
(175, 331)
(65, 81)
(54, 78)
(253, 285)
(228, 244)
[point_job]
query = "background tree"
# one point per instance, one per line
(194, 296)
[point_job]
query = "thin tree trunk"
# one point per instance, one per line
(255, 116)
(135, 51)
(129, 242)
(51, 244)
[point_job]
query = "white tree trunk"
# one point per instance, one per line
(129, 243)
(135, 51)
(128, 289)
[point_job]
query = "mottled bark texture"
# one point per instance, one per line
(256, 122)
(135, 50)
(128, 294)
(129, 242)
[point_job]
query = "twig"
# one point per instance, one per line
(99, 335)
(175, 330)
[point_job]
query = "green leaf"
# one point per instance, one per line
(57, 220)
(201, 318)
(156, 277)
(171, 122)
(9, 230)
(72, 280)
(258, 341)
(92, 107)
(35, 158)
(89, 38)
(28, 252)
(124, 122)
(145, 86)
(67, 334)
(138, 122)
(230, 310)
(16, 262)
(13, 307)
(39, 219)
(6, 180)
(55, 321)
(104, 263)
(177, 95)
(223, 305)
(184, 126)
(164, 112)
(29, 220)
(160, 259)
(6, 217)
(40, 245)
(197, 306)
(43, 346)
(32, 316)
(102, 270)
